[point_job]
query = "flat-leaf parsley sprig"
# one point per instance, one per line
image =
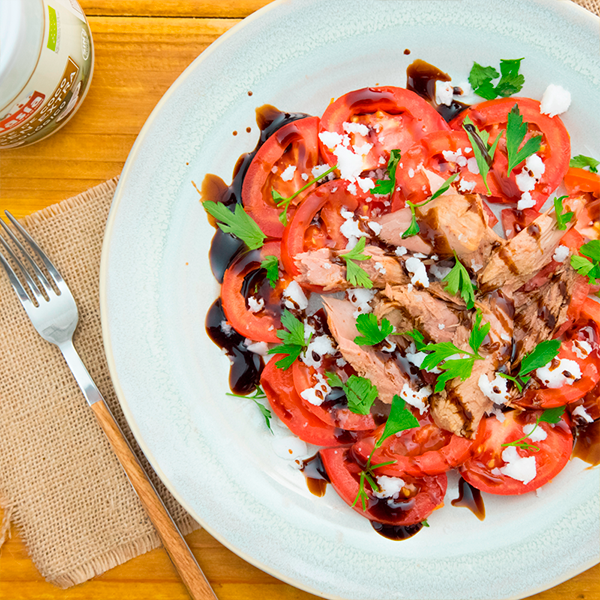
(356, 275)
(510, 83)
(562, 218)
(271, 265)
(238, 223)
(258, 395)
(360, 392)
(440, 355)
(550, 415)
(285, 202)
(483, 151)
(580, 162)
(516, 131)
(413, 228)
(589, 263)
(386, 186)
(372, 332)
(400, 419)
(294, 340)
(539, 357)
(458, 280)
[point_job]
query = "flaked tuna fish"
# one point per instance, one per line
(394, 224)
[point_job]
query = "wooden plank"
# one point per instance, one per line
(237, 9)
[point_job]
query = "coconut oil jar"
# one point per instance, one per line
(46, 65)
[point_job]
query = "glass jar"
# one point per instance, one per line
(46, 65)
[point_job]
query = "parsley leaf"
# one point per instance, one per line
(583, 265)
(386, 186)
(418, 337)
(372, 333)
(356, 275)
(413, 228)
(541, 355)
(515, 380)
(550, 415)
(510, 83)
(459, 367)
(238, 223)
(271, 264)
(400, 419)
(459, 280)
(580, 162)
(478, 333)
(258, 395)
(484, 153)
(561, 218)
(294, 341)
(285, 202)
(516, 131)
(482, 77)
(360, 392)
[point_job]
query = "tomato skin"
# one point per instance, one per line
(580, 180)
(553, 455)
(404, 116)
(329, 197)
(344, 473)
(427, 450)
(294, 144)
(556, 146)
(258, 327)
(514, 221)
(342, 417)
(288, 406)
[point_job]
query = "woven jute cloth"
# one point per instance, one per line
(60, 483)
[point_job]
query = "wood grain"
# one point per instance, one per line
(142, 46)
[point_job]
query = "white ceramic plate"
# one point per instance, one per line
(213, 451)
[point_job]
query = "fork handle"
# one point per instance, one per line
(173, 541)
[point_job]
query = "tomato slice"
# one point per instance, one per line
(289, 407)
(426, 450)
(261, 326)
(580, 180)
(335, 412)
(555, 150)
(481, 469)
(514, 221)
(426, 493)
(294, 148)
(394, 119)
(299, 235)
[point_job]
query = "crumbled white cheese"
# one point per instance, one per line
(288, 174)
(350, 165)
(418, 270)
(255, 304)
(360, 298)
(374, 227)
(558, 373)
(380, 268)
(319, 170)
(320, 345)
(497, 412)
(388, 346)
(417, 358)
(441, 326)
(317, 394)
(389, 486)
(331, 139)
(365, 184)
(382, 160)
(455, 157)
(518, 467)
(581, 348)
(261, 348)
(294, 296)
(538, 435)
(411, 173)
(496, 390)
(466, 186)
(304, 176)
(363, 149)
(341, 362)
(560, 254)
(525, 181)
(579, 411)
(350, 229)
(439, 272)
(526, 201)
(416, 398)
(536, 166)
(400, 251)
(444, 92)
(555, 101)
(359, 128)
(472, 166)
(226, 328)
(476, 266)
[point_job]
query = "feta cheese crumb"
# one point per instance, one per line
(359, 128)
(497, 412)
(360, 298)
(417, 358)
(317, 394)
(260, 348)
(472, 166)
(304, 176)
(441, 326)
(349, 228)
(255, 304)
(518, 467)
(365, 184)
(581, 348)
(526, 201)
(416, 398)
(560, 254)
(555, 101)
(581, 412)
(331, 139)
(444, 92)
(319, 170)
(226, 327)
(418, 270)
(341, 362)
(476, 266)
(374, 227)
(288, 174)
(411, 173)
(380, 268)
(319, 346)
(559, 372)
(496, 390)
(389, 486)
(466, 186)
(439, 272)
(294, 296)
(537, 436)
(400, 251)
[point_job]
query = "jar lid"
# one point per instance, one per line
(22, 26)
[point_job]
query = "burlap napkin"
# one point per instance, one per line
(60, 483)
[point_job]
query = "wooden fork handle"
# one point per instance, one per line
(174, 543)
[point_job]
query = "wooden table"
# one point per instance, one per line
(141, 48)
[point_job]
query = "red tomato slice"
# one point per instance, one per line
(395, 118)
(514, 221)
(294, 145)
(555, 150)
(300, 236)
(335, 413)
(427, 493)
(288, 406)
(261, 326)
(426, 450)
(580, 180)
(553, 455)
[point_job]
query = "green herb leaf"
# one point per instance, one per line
(542, 354)
(333, 379)
(360, 393)
(372, 333)
(591, 250)
(418, 337)
(413, 228)
(484, 153)
(517, 383)
(482, 76)
(584, 267)
(516, 131)
(510, 83)
(561, 218)
(441, 190)
(356, 275)
(294, 341)
(386, 186)
(424, 523)
(271, 264)
(293, 352)
(400, 419)
(238, 223)
(478, 333)
(437, 353)
(458, 280)
(552, 415)
(458, 367)
(580, 162)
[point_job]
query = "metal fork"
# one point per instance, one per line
(53, 312)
